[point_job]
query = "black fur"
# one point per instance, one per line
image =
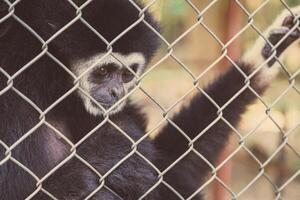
(45, 81)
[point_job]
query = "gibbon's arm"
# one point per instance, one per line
(200, 113)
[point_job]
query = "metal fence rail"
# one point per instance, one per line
(278, 189)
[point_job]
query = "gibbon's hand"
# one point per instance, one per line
(289, 30)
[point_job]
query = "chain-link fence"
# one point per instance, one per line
(9, 147)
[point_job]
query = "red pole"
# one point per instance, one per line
(234, 22)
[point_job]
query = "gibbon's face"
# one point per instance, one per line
(106, 79)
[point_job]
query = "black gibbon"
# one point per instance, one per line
(40, 100)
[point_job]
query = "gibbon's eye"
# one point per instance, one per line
(102, 71)
(128, 75)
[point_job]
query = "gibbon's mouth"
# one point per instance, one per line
(107, 106)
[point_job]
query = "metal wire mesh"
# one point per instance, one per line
(284, 134)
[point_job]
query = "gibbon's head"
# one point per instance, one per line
(107, 77)
(105, 43)
(108, 48)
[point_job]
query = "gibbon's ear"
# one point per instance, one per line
(5, 25)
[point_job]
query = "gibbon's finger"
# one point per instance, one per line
(289, 21)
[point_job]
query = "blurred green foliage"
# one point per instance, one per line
(293, 2)
(173, 17)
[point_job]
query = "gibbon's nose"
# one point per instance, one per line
(116, 93)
